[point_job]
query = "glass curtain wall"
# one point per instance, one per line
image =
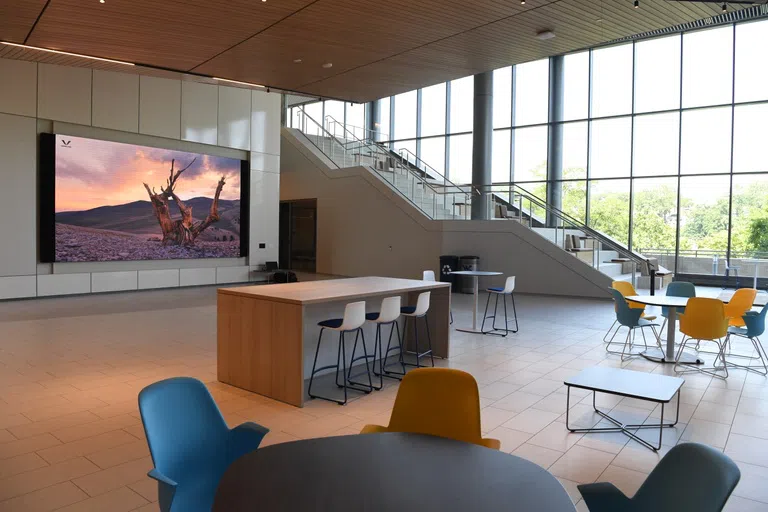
(662, 142)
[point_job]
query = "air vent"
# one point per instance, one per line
(750, 13)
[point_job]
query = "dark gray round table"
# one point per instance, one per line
(386, 472)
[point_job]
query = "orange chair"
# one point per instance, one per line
(439, 402)
(704, 320)
(740, 303)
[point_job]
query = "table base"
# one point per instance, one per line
(623, 427)
(472, 331)
(659, 356)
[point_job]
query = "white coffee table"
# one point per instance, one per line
(475, 274)
(660, 389)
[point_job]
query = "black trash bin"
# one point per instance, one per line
(448, 263)
(466, 283)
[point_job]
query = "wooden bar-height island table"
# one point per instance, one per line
(267, 334)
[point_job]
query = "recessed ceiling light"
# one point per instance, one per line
(328, 65)
(637, 4)
(296, 61)
(102, 1)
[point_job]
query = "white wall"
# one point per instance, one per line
(364, 228)
(174, 114)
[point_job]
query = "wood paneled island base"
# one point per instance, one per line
(267, 335)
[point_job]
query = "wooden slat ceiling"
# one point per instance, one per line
(376, 48)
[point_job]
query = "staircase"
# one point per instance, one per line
(438, 198)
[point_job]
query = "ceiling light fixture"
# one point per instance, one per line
(543, 35)
(17, 45)
(328, 65)
(725, 7)
(522, 2)
(296, 61)
(102, 1)
(249, 84)
(637, 4)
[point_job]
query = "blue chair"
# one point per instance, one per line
(754, 327)
(190, 443)
(630, 318)
(677, 289)
(690, 477)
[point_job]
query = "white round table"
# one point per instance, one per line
(475, 274)
(671, 302)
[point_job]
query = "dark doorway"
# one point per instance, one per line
(298, 235)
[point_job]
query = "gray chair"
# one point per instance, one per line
(690, 477)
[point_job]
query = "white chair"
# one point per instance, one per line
(429, 275)
(509, 289)
(354, 318)
(418, 311)
(388, 315)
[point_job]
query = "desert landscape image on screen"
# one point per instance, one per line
(121, 202)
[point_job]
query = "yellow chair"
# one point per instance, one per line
(740, 303)
(439, 402)
(704, 320)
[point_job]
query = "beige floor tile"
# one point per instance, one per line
(748, 425)
(147, 488)
(20, 464)
(151, 507)
(556, 437)
(6, 436)
(517, 401)
(753, 484)
(554, 403)
(712, 411)
(571, 488)
(118, 476)
(74, 433)
(498, 390)
(531, 421)
(609, 442)
(523, 377)
(118, 409)
(31, 444)
(738, 504)
(582, 465)
(544, 457)
(747, 449)
(86, 446)
(136, 431)
(627, 480)
(753, 406)
(639, 458)
(492, 417)
(43, 500)
(119, 454)
(319, 427)
(707, 432)
(510, 439)
(542, 387)
(42, 427)
(122, 499)
(13, 420)
(722, 396)
(277, 437)
(43, 477)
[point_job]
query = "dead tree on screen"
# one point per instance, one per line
(185, 230)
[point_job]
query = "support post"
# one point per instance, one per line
(555, 142)
(482, 140)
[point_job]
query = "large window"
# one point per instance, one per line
(662, 142)
(531, 91)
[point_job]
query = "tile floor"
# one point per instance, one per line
(70, 369)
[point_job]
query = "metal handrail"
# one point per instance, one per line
(430, 169)
(387, 154)
(576, 224)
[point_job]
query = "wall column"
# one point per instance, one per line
(373, 117)
(482, 140)
(555, 142)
